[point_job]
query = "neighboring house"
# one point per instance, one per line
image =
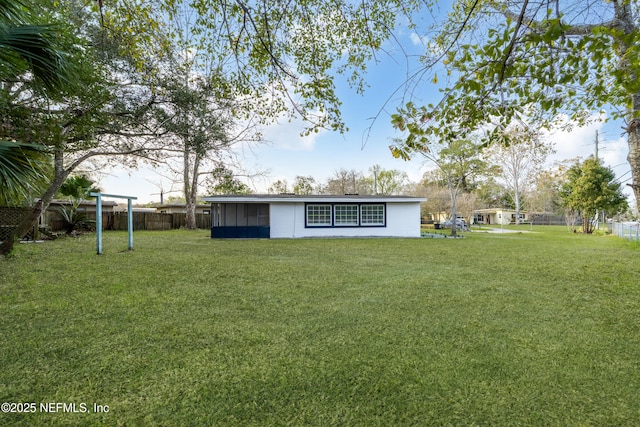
(182, 208)
(437, 217)
(498, 216)
(85, 206)
(291, 216)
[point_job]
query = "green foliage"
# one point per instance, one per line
(76, 189)
(279, 187)
(23, 169)
(591, 187)
(76, 220)
(280, 59)
(511, 61)
(304, 185)
(222, 181)
(26, 47)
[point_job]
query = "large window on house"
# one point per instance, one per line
(345, 215)
(319, 215)
(372, 215)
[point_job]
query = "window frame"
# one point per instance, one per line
(348, 217)
(374, 224)
(313, 224)
(335, 224)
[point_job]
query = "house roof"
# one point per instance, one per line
(310, 198)
(84, 202)
(176, 205)
(496, 210)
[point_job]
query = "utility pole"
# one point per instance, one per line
(598, 160)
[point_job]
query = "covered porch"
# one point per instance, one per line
(240, 220)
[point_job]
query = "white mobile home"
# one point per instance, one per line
(291, 216)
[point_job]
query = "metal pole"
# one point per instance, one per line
(99, 224)
(130, 223)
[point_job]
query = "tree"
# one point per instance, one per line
(519, 161)
(543, 197)
(76, 189)
(570, 58)
(26, 48)
(591, 187)
(387, 182)
(304, 185)
(466, 204)
(22, 171)
(493, 194)
(102, 111)
(280, 58)
(458, 160)
(197, 127)
(197, 111)
(279, 187)
(346, 182)
(223, 181)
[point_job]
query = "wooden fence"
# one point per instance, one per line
(52, 221)
(141, 221)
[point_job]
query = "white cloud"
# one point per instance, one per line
(581, 142)
(286, 135)
(417, 40)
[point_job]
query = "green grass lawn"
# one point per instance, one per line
(521, 329)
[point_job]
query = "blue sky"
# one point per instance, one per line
(286, 154)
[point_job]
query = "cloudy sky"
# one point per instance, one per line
(286, 154)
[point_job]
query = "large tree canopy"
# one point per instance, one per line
(280, 57)
(536, 61)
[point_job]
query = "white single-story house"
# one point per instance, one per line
(498, 216)
(292, 216)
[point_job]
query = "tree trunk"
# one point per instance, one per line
(517, 202)
(191, 189)
(454, 215)
(628, 26)
(633, 141)
(32, 218)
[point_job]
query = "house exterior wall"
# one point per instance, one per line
(288, 221)
(285, 219)
(499, 216)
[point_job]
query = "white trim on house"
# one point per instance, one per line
(292, 216)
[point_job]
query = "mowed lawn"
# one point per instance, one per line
(525, 329)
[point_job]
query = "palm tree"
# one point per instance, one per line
(22, 168)
(26, 51)
(77, 189)
(26, 47)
